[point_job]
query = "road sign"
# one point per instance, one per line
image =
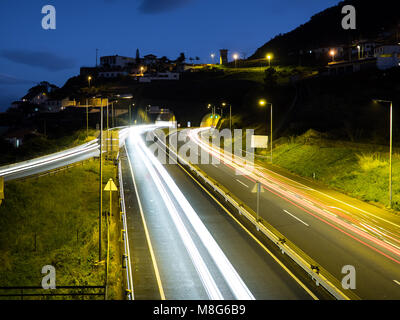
(259, 142)
(110, 186)
(257, 188)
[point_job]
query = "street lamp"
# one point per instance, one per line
(212, 57)
(89, 80)
(332, 53)
(264, 103)
(269, 57)
(213, 112)
(230, 114)
(391, 148)
(235, 57)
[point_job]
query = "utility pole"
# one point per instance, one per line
(87, 118)
(230, 117)
(101, 177)
(391, 150)
(271, 133)
(107, 116)
(391, 155)
(112, 115)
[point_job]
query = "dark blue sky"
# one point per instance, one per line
(29, 54)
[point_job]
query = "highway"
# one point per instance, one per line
(50, 162)
(323, 235)
(56, 160)
(184, 245)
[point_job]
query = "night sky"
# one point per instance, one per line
(29, 54)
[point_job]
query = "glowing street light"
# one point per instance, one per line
(235, 57)
(224, 104)
(263, 103)
(391, 147)
(269, 57)
(212, 57)
(89, 80)
(332, 53)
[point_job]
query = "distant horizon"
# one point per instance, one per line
(33, 55)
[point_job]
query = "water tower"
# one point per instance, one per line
(223, 53)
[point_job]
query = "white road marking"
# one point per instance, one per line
(242, 183)
(296, 218)
(397, 282)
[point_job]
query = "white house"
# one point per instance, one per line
(116, 61)
(58, 105)
(112, 74)
(150, 59)
(339, 51)
(160, 76)
(388, 56)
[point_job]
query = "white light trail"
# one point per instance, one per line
(234, 281)
(208, 282)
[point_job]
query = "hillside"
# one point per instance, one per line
(324, 29)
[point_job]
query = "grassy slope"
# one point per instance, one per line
(357, 171)
(62, 211)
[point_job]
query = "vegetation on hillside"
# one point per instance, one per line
(53, 220)
(361, 171)
(324, 29)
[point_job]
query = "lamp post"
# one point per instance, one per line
(332, 53)
(235, 57)
(230, 114)
(89, 80)
(212, 57)
(269, 57)
(87, 118)
(391, 149)
(101, 176)
(264, 103)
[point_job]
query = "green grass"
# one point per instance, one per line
(61, 212)
(358, 172)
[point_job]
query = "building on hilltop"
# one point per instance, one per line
(388, 56)
(223, 56)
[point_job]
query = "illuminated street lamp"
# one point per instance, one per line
(332, 53)
(269, 57)
(235, 57)
(263, 103)
(230, 114)
(391, 147)
(89, 80)
(212, 57)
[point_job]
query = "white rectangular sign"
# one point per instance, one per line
(259, 142)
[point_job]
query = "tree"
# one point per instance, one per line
(271, 78)
(181, 58)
